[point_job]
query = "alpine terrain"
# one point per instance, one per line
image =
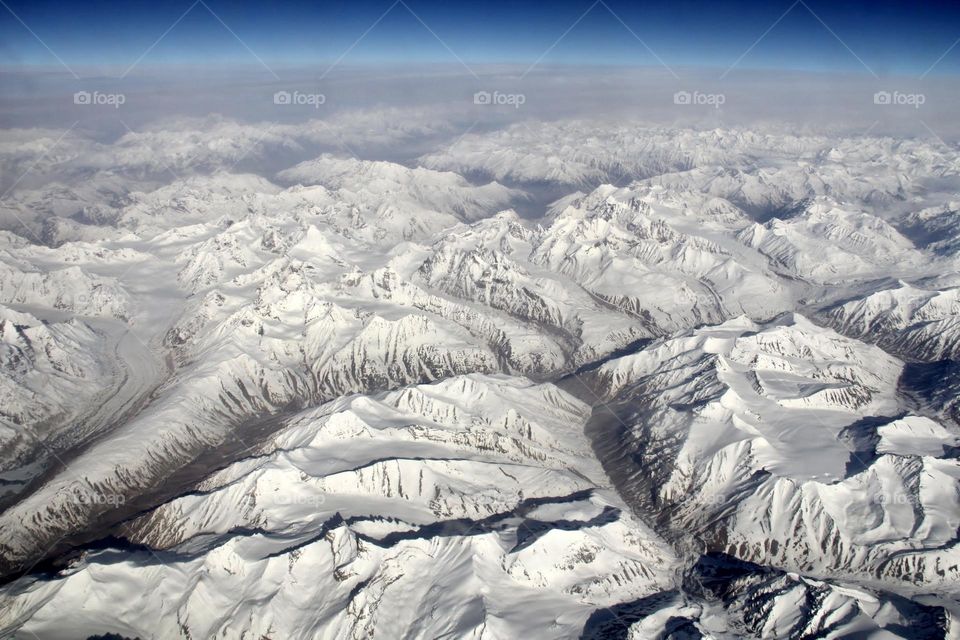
(552, 379)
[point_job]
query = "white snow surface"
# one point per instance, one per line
(335, 400)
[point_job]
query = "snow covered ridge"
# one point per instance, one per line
(441, 191)
(471, 506)
(580, 153)
(339, 396)
(784, 444)
(919, 323)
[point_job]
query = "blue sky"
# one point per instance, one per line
(891, 38)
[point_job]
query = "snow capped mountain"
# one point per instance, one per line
(439, 191)
(382, 510)
(750, 167)
(67, 289)
(254, 388)
(45, 367)
(917, 323)
(825, 243)
(723, 597)
(783, 441)
(631, 256)
(937, 229)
